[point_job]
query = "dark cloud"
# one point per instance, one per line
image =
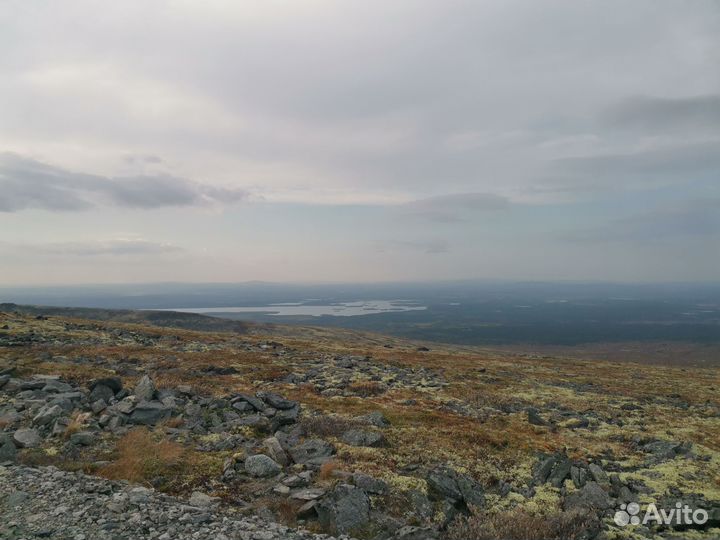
(26, 183)
(456, 207)
(661, 114)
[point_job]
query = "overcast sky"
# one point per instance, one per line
(318, 140)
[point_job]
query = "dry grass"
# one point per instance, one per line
(327, 425)
(520, 525)
(327, 470)
(77, 423)
(142, 458)
(367, 388)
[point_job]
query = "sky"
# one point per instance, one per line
(318, 140)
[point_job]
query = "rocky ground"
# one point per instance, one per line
(338, 433)
(45, 502)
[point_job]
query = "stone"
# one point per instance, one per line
(202, 500)
(598, 474)
(27, 438)
(363, 437)
(98, 406)
(410, 532)
(578, 476)
(590, 497)
(345, 509)
(309, 494)
(375, 418)
(275, 451)
(307, 510)
(286, 417)
(276, 401)
(47, 415)
(126, 405)
(16, 499)
(113, 383)
(145, 389)
(311, 449)
(560, 471)
(150, 413)
(8, 452)
(54, 387)
(254, 402)
(369, 484)
(534, 417)
(471, 490)
(101, 392)
(82, 438)
(441, 481)
(262, 466)
(243, 406)
(543, 468)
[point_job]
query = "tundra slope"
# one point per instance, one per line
(359, 434)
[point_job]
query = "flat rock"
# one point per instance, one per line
(311, 449)
(363, 437)
(262, 466)
(27, 438)
(150, 413)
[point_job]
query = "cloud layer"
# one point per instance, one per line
(367, 139)
(26, 183)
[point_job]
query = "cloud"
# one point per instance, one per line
(661, 114)
(659, 165)
(455, 207)
(696, 218)
(26, 183)
(94, 248)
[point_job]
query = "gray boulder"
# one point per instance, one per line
(590, 497)
(202, 500)
(312, 449)
(8, 451)
(578, 475)
(456, 487)
(560, 471)
(113, 383)
(275, 450)
(441, 481)
(55, 387)
(363, 437)
(145, 389)
(101, 392)
(598, 474)
(48, 414)
(369, 484)
(254, 402)
(276, 401)
(82, 438)
(262, 466)
(150, 413)
(345, 509)
(27, 438)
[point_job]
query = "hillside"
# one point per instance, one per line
(342, 432)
